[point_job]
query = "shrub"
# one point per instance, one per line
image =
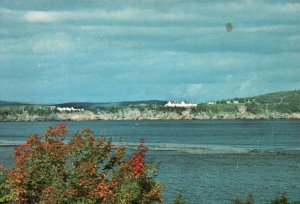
(5, 193)
(283, 199)
(178, 200)
(249, 200)
(84, 170)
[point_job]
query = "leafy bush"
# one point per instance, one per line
(179, 200)
(14, 113)
(283, 199)
(84, 170)
(5, 193)
(249, 200)
(215, 108)
(254, 108)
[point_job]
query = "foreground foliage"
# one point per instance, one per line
(84, 170)
(282, 199)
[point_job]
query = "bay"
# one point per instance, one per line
(207, 161)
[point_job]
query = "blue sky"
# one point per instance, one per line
(100, 51)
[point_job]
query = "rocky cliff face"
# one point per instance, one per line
(151, 114)
(135, 114)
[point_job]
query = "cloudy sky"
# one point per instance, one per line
(103, 50)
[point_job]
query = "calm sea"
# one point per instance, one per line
(211, 161)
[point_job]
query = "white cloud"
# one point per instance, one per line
(229, 78)
(41, 16)
(268, 28)
(59, 42)
(124, 14)
(196, 11)
(246, 86)
(249, 84)
(5, 11)
(193, 89)
(258, 5)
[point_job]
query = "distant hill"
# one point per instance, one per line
(283, 102)
(276, 97)
(279, 97)
(284, 99)
(8, 103)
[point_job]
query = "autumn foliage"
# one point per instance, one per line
(87, 169)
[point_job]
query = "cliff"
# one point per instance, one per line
(136, 114)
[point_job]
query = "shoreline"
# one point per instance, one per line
(136, 114)
(149, 119)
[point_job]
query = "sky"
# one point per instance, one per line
(110, 51)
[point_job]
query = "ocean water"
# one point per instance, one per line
(207, 161)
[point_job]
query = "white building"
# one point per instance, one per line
(67, 109)
(182, 104)
(234, 102)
